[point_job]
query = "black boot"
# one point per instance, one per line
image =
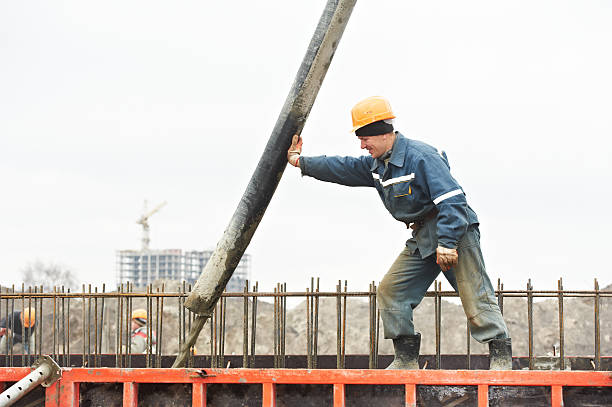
(406, 352)
(500, 354)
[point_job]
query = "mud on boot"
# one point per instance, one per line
(406, 352)
(500, 354)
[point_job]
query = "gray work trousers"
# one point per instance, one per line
(407, 281)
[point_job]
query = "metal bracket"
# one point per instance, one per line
(201, 373)
(56, 371)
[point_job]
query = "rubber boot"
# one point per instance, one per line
(406, 352)
(500, 354)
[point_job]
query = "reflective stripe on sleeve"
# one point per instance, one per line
(447, 195)
(397, 180)
(376, 176)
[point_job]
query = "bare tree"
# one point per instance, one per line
(48, 275)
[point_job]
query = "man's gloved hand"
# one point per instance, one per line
(446, 258)
(293, 155)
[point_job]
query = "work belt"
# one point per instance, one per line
(419, 223)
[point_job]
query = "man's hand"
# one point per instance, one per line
(446, 258)
(293, 155)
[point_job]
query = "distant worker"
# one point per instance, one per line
(413, 180)
(140, 336)
(18, 331)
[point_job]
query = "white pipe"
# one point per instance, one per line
(46, 369)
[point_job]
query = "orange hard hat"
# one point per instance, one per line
(370, 110)
(28, 317)
(139, 314)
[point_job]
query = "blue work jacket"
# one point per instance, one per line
(416, 181)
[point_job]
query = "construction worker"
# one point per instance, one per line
(413, 180)
(18, 331)
(139, 337)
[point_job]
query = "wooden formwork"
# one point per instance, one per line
(66, 392)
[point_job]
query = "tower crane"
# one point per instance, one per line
(144, 221)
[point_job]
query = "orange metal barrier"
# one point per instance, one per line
(65, 392)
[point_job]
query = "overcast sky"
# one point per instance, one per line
(106, 104)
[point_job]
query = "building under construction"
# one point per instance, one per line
(143, 267)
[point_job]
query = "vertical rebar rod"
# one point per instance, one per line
(68, 329)
(63, 302)
(198, 323)
(344, 325)
(377, 338)
(245, 326)
(254, 325)
(597, 329)
(215, 323)
(128, 326)
(316, 327)
(284, 328)
(12, 326)
(160, 332)
(312, 298)
(57, 322)
(23, 337)
(101, 322)
(83, 327)
(308, 333)
(561, 327)
(500, 296)
(212, 322)
(338, 325)
(179, 312)
(154, 329)
(468, 346)
(96, 350)
(40, 327)
(118, 325)
(89, 327)
(149, 290)
(30, 333)
(274, 330)
(184, 322)
(6, 318)
(371, 330)
(439, 326)
(223, 314)
(6, 306)
(276, 324)
(530, 322)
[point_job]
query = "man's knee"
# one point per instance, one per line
(385, 292)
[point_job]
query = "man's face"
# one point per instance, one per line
(135, 325)
(376, 145)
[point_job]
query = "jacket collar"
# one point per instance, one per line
(398, 153)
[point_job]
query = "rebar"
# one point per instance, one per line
(344, 324)
(339, 326)
(530, 322)
(23, 326)
(438, 318)
(468, 351)
(83, 327)
(561, 327)
(254, 324)
(55, 341)
(597, 329)
(245, 327)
